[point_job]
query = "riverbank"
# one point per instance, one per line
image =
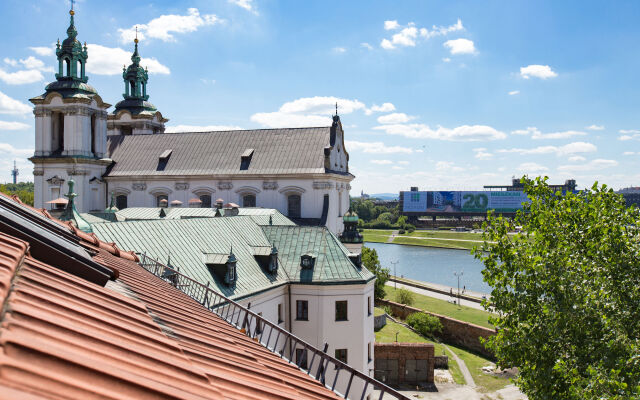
(439, 239)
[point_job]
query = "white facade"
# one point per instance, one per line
(356, 334)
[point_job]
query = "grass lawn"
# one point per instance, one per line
(375, 238)
(449, 244)
(388, 335)
(443, 307)
(474, 363)
(447, 235)
(377, 311)
(377, 232)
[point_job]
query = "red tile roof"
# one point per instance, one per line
(139, 337)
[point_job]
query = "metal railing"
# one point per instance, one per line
(344, 380)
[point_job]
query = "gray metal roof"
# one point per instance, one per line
(275, 151)
(259, 215)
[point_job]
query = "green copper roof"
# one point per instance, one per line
(71, 214)
(191, 241)
(332, 265)
(135, 87)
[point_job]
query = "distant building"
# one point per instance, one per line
(631, 195)
(568, 186)
(15, 173)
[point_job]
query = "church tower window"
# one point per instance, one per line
(293, 205)
(249, 200)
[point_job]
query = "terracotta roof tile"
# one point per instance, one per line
(139, 337)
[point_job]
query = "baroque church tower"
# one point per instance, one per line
(135, 115)
(71, 131)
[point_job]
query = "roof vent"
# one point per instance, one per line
(245, 159)
(307, 261)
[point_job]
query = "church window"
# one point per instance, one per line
(159, 199)
(68, 63)
(133, 88)
(293, 205)
(121, 201)
(249, 200)
(206, 201)
(125, 130)
(57, 132)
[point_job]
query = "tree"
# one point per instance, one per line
(405, 296)
(370, 260)
(567, 293)
(24, 190)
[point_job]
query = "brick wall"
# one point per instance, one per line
(455, 332)
(403, 352)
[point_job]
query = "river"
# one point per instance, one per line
(429, 264)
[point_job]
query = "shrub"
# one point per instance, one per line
(425, 324)
(388, 310)
(404, 296)
(401, 231)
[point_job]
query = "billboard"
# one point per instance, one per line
(461, 202)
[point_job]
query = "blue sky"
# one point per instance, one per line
(440, 95)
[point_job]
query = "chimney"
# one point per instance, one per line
(219, 204)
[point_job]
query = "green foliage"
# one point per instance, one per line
(24, 190)
(404, 296)
(401, 232)
(425, 324)
(402, 220)
(567, 291)
(388, 310)
(410, 228)
(370, 260)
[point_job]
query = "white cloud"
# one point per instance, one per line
(391, 25)
(628, 153)
(594, 165)
(11, 151)
(595, 127)
(397, 167)
(514, 92)
(482, 154)
(109, 61)
(571, 148)
(339, 50)
(307, 111)
(629, 134)
(460, 46)
(34, 63)
(408, 34)
(200, 128)
(577, 159)
(395, 118)
(531, 168)
(13, 126)
(403, 162)
(376, 147)
(21, 77)
(537, 71)
(42, 51)
(536, 134)
(246, 4)
(441, 30)
(164, 26)
(460, 133)
(12, 106)
(10, 61)
(382, 162)
(629, 131)
(385, 107)
(446, 59)
(448, 166)
(366, 46)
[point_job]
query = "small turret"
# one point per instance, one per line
(71, 214)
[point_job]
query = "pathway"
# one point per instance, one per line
(392, 236)
(463, 367)
(437, 295)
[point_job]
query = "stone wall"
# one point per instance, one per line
(403, 352)
(455, 332)
(379, 322)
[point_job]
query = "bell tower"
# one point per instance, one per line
(135, 115)
(71, 130)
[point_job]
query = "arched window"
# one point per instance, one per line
(159, 199)
(93, 134)
(206, 201)
(66, 60)
(293, 205)
(121, 201)
(57, 132)
(249, 200)
(133, 88)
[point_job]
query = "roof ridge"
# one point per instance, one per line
(245, 130)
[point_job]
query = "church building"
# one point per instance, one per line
(302, 172)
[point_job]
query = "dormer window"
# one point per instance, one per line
(245, 159)
(307, 261)
(273, 260)
(267, 257)
(222, 266)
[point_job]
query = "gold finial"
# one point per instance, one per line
(71, 12)
(136, 39)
